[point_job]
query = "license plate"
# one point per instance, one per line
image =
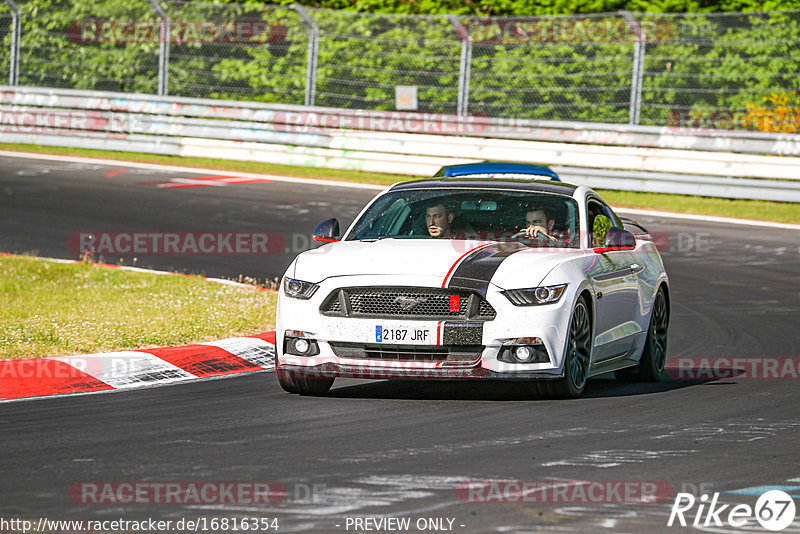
(401, 336)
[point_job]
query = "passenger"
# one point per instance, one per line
(438, 219)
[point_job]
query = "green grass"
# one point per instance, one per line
(54, 309)
(785, 212)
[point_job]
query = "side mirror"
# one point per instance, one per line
(617, 239)
(327, 231)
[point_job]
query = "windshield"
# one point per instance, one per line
(546, 219)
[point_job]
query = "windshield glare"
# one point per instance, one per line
(474, 214)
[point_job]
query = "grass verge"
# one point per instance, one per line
(785, 212)
(56, 309)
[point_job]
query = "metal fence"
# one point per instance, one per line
(722, 71)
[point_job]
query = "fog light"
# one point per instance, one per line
(301, 346)
(523, 354)
(523, 350)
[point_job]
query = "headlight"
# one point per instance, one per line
(536, 295)
(298, 289)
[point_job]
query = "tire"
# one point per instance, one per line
(313, 384)
(577, 358)
(654, 355)
(285, 377)
(304, 384)
(286, 381)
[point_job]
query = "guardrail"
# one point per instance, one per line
(748, 165)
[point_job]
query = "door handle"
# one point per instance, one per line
(636, 268)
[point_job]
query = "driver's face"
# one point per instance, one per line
(437, 221)
(536, 218)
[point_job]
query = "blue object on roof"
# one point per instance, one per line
(498, 167)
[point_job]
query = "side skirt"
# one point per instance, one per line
(620, 361)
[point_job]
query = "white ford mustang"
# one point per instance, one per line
(480, 278)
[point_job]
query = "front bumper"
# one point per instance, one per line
(402, 370)
(549, 323)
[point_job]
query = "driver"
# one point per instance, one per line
(438, 219)
(539, 224)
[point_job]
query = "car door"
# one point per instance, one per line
(613, 275)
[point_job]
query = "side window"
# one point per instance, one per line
(596, 206)
(600, 219)
(616, 221)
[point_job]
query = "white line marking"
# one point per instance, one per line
(193, 170)
(709, 218)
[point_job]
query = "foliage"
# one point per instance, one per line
(556, 68)
(780, 113)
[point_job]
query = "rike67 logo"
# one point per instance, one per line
(774, 510)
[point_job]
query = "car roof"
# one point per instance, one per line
(542, 186)
(497, 167)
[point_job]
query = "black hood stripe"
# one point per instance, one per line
(477, 269)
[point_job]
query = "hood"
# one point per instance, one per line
(423, 257)
(467, 264)
(528, 268)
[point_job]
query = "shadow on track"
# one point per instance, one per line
(493, 390)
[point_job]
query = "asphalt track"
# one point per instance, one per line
(401, 449)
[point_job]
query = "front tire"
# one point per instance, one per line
(304, 383)
(654, 355)
(286, 381)
(578, 356)
(313, 384)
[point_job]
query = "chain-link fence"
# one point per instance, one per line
(9, 18)
(237, 51)
(362, 58)
(560, 68)
(718, 69)
(73, 45)
(653, 69)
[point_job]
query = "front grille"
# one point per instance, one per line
(468, 354)
(407, 302)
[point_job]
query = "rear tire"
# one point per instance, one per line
(577, 358)
(654, 355)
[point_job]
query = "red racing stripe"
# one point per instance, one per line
(39, 376)
(204, 360)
